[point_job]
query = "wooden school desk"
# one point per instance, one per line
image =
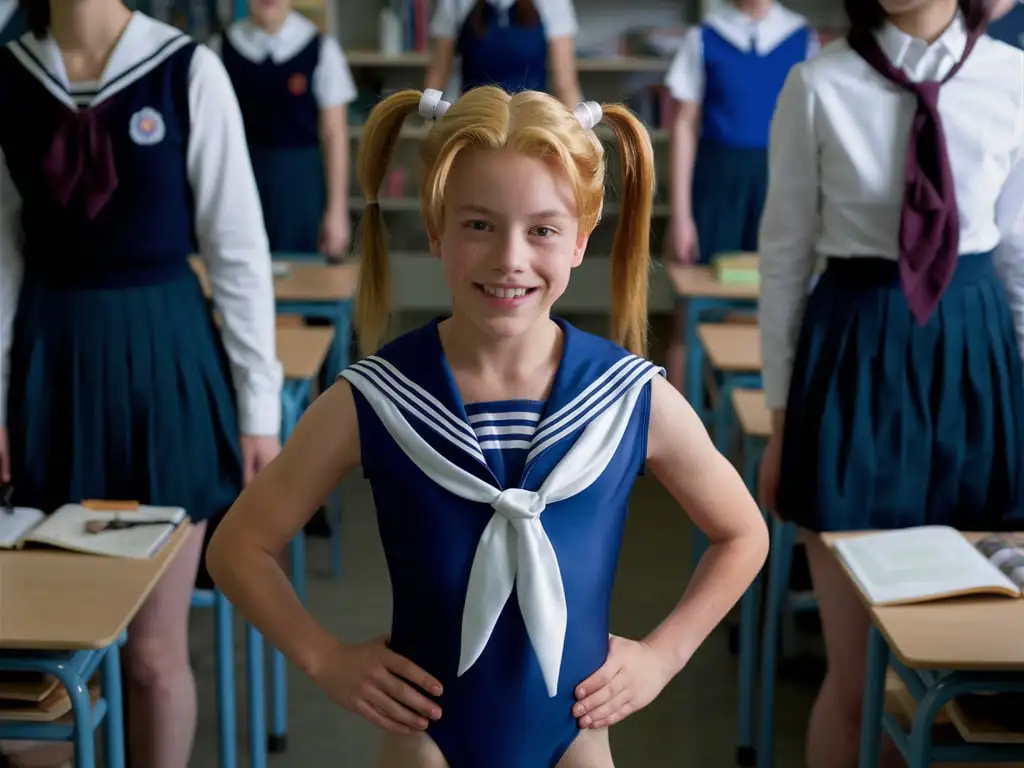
(705, 298)
(64, 614)
(941, 650)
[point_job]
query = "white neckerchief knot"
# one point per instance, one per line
(517, 504)
(514, 550)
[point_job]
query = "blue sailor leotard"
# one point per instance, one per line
(501, 524)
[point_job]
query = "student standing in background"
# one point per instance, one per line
(128, 155)
(293, 85)
(509, 43)
(12, 21)
(725, 80)
(896, 387)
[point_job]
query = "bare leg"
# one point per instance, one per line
(590, 750)
(833, 734)
(415, 750)
(37, 754)
(161, 688)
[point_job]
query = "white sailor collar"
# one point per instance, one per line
(908, 53)
(144, 45)
(256, 44)
(743, 30)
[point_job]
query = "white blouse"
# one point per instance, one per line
(332, 83)
(558, 16)
(685, 79)
(836, 170)
(228, 219)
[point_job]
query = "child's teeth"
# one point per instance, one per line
(504, 293)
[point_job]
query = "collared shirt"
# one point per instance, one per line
(686, 76)
(558, 17)
(332, 83)
(228, 218)
(7, 9)
(836, 177)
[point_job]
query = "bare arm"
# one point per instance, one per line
(272, 510)
(440, 69)
(334, 138)
(562, 51)
(682, 153)
(685, 461)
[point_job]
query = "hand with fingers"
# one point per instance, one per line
(630, 679)
(376, 683)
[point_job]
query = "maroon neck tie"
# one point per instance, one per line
(80, 160)
(930, 222)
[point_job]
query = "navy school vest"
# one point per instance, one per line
(507, 55)
(277, 100)
(742, 87)
(147, 228)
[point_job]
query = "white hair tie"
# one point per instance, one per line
(589, 114)
(432, 107)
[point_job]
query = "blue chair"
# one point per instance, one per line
(73, 670)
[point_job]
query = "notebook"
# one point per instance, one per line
(738, 268)
(917, 565)
(66, 528)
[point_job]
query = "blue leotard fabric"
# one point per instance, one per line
(500, 712)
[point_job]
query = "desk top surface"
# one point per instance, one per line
(302, 349)
(700, 282)
(733, 347)
(968, 633)
(304, 281)
(54, 600)
(753, 415)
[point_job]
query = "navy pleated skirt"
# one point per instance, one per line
(729, 189)
(121, 393)
(293, 195)
(891, 424)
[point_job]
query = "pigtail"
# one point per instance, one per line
(377, 148)
(631, 249)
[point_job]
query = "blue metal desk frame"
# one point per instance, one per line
(932, 691)
(73, 669)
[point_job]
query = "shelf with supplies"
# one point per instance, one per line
(417, 60)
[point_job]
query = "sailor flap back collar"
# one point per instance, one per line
(412, 392)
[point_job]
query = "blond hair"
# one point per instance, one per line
(533, 124)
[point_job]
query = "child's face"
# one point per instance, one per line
(901, 7)
(511, 237)
(269, 13)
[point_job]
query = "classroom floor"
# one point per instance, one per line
(693, 722)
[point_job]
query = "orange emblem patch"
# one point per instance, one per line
(297, 84)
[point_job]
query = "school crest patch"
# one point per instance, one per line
(147, 127)
(297, 84)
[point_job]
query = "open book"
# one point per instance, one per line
(917, 565)
(114, 529)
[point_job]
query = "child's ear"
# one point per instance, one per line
(581, 248)
(434, 241)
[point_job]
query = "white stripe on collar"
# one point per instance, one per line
(145, 45)
(257, 44)
(7, 9)
(743, 31)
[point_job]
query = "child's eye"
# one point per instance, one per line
(543, 231)
(477, 225)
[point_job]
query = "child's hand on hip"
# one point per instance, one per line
(633, 675)
(374, 682)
